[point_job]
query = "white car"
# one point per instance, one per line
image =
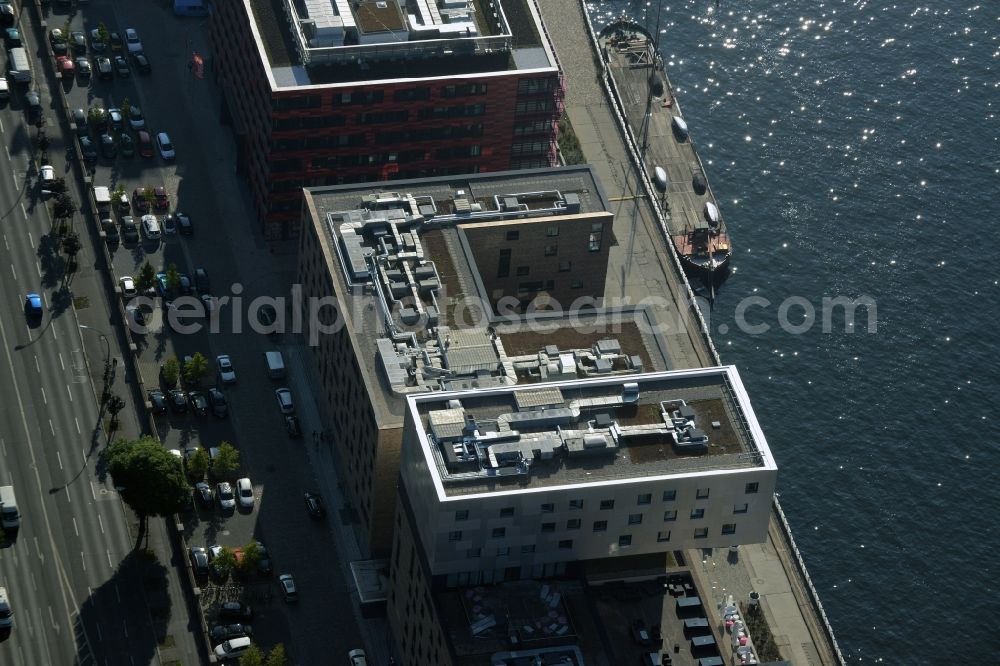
(165, 147)
(48, 174)
(224, 493)
(151, 227)
(288, 588)
(128, 286)
(133, 41)
(135, 118)
(226, 370)
(285, 400)
(245, 491)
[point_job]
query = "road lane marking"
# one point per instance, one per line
(110, 563)
(118, 594)
(52, 619)
(13, 272)
(59, 458)
(44, 399)
(3, 445)
(61, 363)
(100, 522)
(77, 422)
(125, 626)
(52, 428)
(54, 336)
(75, 528)
(38, 267)
(39, 551)
(84, 560)
(6, 244)
(31, 238)
(25, 213)
(37, 368)
(34, 585)
(70, 392)
(1, 125)
(98, 627)
(92, 493)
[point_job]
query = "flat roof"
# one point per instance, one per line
(590, 431)
(414, 316)
(329, 43)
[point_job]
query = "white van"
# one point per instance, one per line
(234, 647)
(275, 364)
(6, 614)
(10, 517)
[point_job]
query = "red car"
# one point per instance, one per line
(139, 200)
(145, 144)
(64, 65)
(161, 201)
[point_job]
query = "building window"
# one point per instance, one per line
(701, 533)
(635, 519)
(503, 551)
(662, 536)
(530, 548)
(669, 495)
(461, 515)
(548, 507)
(600, 526)
(702, 493)
(576, 284)
(594, 242)
(455, 536)
(507, 512)
(552, 232)
(473, 552)
(624, 541)
(729, 528)
(576, 504)
(503, 264)
(645, 498)
(565, 266)
(499, 532)
(752, 488)
(741, 508)
(548, 527)
(523, 270)
(669, 515)
(607, 505)
(697, 514)
(573, 524)
(551, 250)
(513, 235)
(566, 544)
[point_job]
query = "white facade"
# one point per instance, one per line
(537, 527)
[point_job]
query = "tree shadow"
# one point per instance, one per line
(53, 264)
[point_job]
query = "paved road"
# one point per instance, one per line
(64, 571)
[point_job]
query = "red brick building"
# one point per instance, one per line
(328, 92)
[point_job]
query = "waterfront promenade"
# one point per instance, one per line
(642, 266)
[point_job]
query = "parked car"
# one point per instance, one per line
(126, 144)
(116, 119)
(83, 69)
(357, 657)
(165, 146)
(199, 561)
(110, 231)
(201, 282)
(108, 147)
(285, 403)
(132, 40)
(235, 610)
(79, 41)
(88, 149)
(130, 232)
(160, 199)
(184, 224)
(224, 493)
(158, 401)
(135, 118)
(145, 144)
(151, 227)
(139, 200)
(97, 45)
(205, 496)
(223, 632)
(292, 426)
(217, 399)
(198, 402)
(178, 401)
(244, 490)
(135, 316)
(141, 62)
(169, 225)
(121, 67)
(33, 106)
(65, 66)
(12, 38)
(128, 286)
(226, 371)
(117, 43)
(288, 589)
(58, 41)
(80, 120)
(314, 505)
(105, 70)
(233, 648)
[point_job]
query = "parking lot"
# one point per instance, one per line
(200, 181)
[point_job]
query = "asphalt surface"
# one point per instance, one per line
(66, 570)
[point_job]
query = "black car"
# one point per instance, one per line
(141, 63)
(198, 402)
(116, 42)
(201, 282)
(184, 224)
(33, 104)
(110, 232)
(220, 406)
(293, 427)
(178, 401)
(104, 68)
(121, 67)
(264, 566)
(223, 632)
(205, 496)
(88, 149)
(186, 287)
(58, 41)
(314, 505)
(97, 44)
(79, 41)
(234, 610)
(108, 146)
(130, 232)
(199, 561)
(158, 401)
(80, 120)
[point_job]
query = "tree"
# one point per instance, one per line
(71, 244)
(195, 368)
(227, 461)
(197, 463)
(149, 478)
(126, 111)
(64, 206)
(96, 116)
(173, 277)
(149, 194)
(251, 558)
(147, 277)
(170, 370)
(103, 34)
(252, 657)
(224, 562)
(276, 657)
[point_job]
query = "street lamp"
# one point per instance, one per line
(109, 364)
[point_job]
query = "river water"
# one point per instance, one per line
(853, 147)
